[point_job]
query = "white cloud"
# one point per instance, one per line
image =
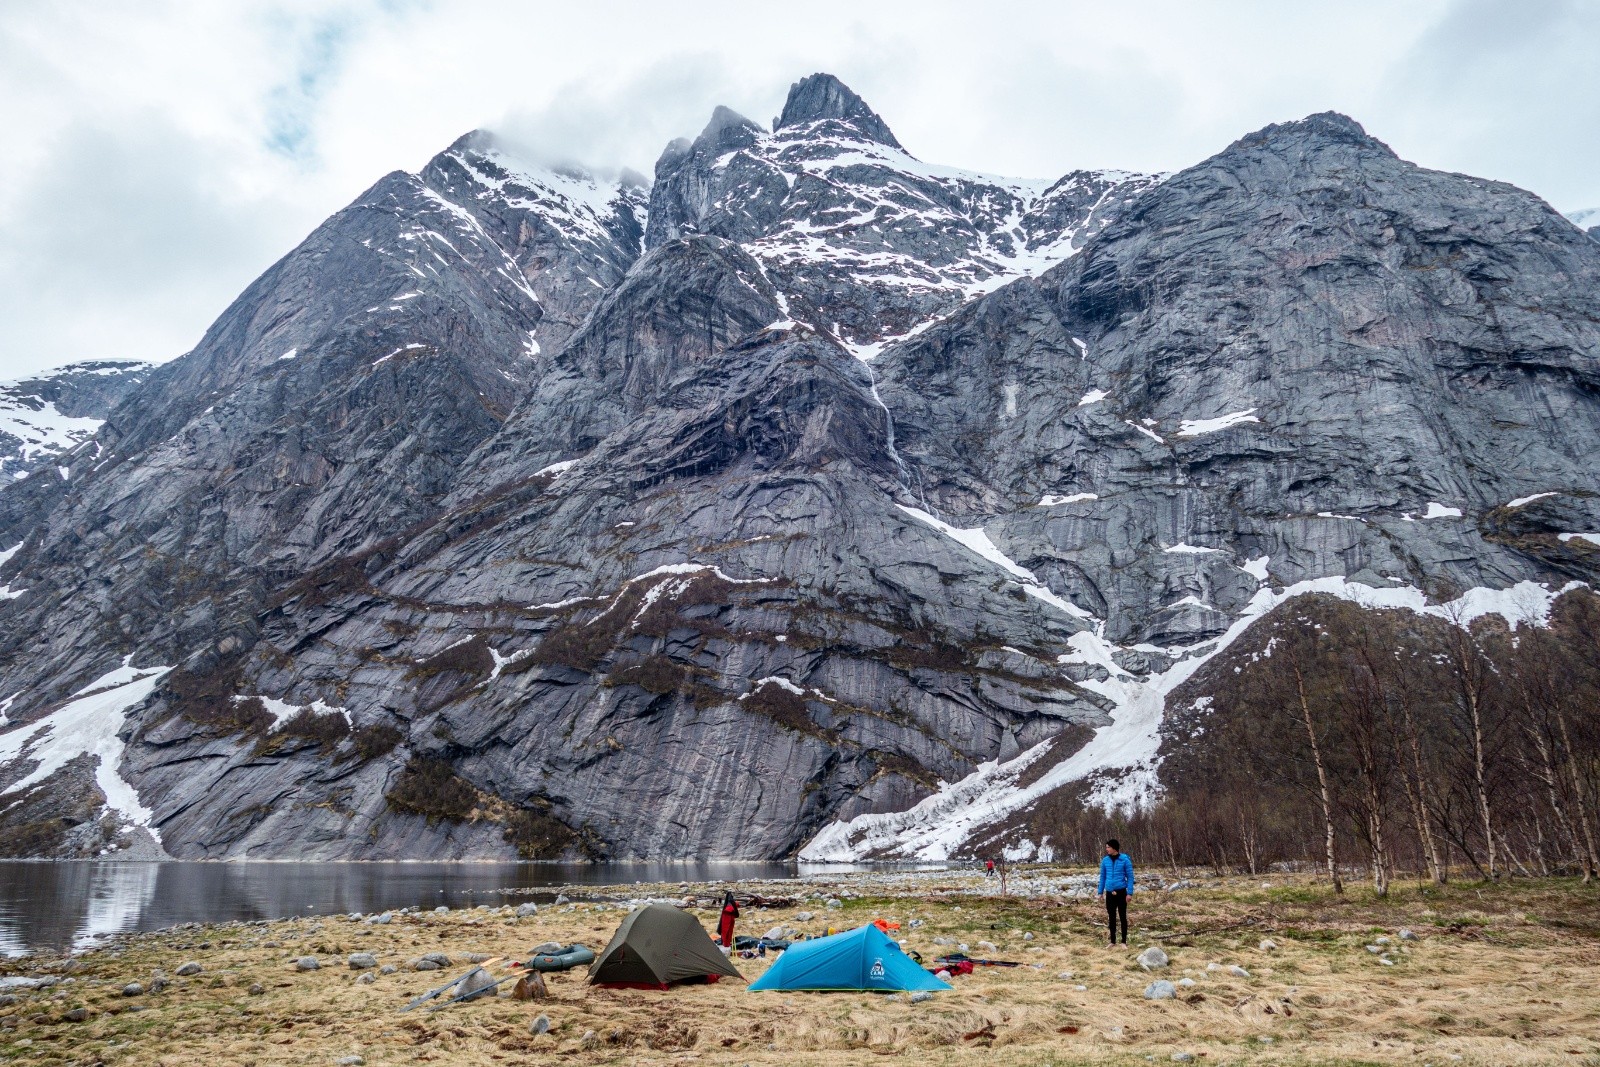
(159, 155)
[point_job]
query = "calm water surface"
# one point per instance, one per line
(57, 905)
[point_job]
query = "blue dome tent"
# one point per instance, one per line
(859, 959)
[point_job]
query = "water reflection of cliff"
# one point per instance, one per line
(56, 905)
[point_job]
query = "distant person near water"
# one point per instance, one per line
(988, 868)
(1116, 886)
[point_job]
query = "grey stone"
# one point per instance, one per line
(133, 989)
(360, 961)
(256, 989)
(1160, 989)
(425, 965)
(75, 1015)
(1268, 945)
(387, 968)
(526, 909)
(540, 1025)
(475, 983)
(1408, 935)
(307, 963)
(1238, 972)
(1186, 983)
(349, 1061)
(1153, 958)
(921, 996)
(188, 970)
(547, 947)
(366, 978)
(442, 909)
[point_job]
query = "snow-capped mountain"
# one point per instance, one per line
(858, 236)
(47, 415)
(816, 500)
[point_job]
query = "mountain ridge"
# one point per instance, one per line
(513, 514)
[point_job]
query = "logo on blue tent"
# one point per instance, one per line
(877, 970)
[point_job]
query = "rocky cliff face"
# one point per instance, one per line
(513, 514)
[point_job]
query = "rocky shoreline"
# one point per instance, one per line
(1235, 970)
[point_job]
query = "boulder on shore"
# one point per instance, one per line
(1153, 958)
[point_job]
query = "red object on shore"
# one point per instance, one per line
(730, 912)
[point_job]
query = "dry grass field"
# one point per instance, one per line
(1500, 975)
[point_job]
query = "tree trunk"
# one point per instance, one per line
(1322, 777)
(1417, 793)
(1552, 779)
(1579, 801)
(1468, 672)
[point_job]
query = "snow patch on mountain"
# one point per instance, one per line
(878, 217)
(1198, 427)
(569, 198)
(1121, 759)
(38, 427)
(88, 724)
(977, 541)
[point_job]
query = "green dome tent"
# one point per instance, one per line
(857, 959)
(656, 946)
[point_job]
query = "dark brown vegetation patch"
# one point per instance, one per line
(471, 657)
(653, 674)
(207, 700)
(306, 728)
(373, 742)
(539, 835)
(787, 709)
(431, 788)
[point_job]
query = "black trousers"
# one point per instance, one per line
(1117, 908)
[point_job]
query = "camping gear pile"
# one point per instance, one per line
(658, 946)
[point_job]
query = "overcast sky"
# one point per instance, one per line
(155, 156)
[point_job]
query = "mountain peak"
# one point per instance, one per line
(822, 96)
(728, 130)
(1325, 126)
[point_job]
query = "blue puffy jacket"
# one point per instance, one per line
(1116, 872)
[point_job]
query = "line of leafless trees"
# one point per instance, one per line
(1387, 742)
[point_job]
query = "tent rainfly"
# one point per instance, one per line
(656, 946)
(857, 959)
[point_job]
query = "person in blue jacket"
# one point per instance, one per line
(1116, 886)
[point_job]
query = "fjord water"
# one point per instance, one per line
(50, 906)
